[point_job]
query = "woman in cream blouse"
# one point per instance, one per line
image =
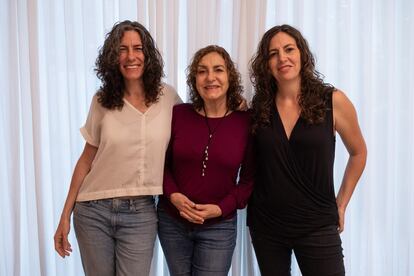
(121, 167)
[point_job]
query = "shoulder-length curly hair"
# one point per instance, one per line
(111, 92)
(313, 94)
(235, 89)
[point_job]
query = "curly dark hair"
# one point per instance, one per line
(235, 90)
(314, 92)
(111, 92)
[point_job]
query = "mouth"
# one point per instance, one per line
(132, 66)
(211, 87)
(284, 68)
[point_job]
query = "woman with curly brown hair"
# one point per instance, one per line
(295, 117)
(209, 146)
(121, 167)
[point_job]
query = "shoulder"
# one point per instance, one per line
(243, 115)
(340, 101)
(169, 93)
(168, 89)
(96, 106)
(241, 119)
(183, 108)
(343, 109)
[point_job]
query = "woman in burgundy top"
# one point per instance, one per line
(208, 173)
(296, 115)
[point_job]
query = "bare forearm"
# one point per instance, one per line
(82, 168)
(353, 172)
(79, 174)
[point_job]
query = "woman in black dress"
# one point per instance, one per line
(296, 115)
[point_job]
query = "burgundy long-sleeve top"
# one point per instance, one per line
(229, 173)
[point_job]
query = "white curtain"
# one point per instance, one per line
(47, 54)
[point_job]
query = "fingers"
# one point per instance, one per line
(195, 213)
(191, 217)
(208, 211)
(186, 208)
(181, 201)
(341, 222)
(341, 226)
(62, 245)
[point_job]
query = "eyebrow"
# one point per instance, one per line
(125, 45)
(215, 66)
(287, 45)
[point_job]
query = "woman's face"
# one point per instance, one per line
(131, 56)
(284, 58)
(212, 80)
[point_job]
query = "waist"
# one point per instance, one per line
(119, 203)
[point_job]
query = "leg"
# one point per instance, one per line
(94, 235)
(136, 229)
(274, 255)
(175, 239)
(214, 247)
(320, 253)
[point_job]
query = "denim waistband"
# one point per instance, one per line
(124, 203)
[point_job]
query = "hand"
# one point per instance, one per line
(208, 211)
(341, 224)
(62, 245)
(186, 208)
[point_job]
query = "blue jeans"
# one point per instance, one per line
(197, 250)
(116, 236)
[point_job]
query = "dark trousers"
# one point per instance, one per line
(318, 254)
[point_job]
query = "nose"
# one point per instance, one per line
(210, 76)
(130, 55)
(282, 56)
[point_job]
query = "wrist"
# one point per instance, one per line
(173, 195)
(219, 212)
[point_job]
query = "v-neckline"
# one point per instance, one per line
(136, 109)
(288, 138)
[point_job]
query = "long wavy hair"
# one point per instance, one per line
(314, 92)
(111, 92)
(235, 89)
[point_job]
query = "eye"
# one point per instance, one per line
(201, 71)
(138, 48)
(289, 49)
(273, 53)
(122, 49)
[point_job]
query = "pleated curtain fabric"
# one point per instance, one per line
(47, 52)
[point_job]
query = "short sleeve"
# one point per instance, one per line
(92, 128)
(173, 95)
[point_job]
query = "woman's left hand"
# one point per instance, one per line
(341, 223)
(208, 211)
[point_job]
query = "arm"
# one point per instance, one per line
(171, 191)
(239, 195)
(62, 245)
(346, 124)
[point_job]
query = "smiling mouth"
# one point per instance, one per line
(134, 66)
(211, 86)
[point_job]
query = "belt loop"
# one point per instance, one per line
(131, 204)
(115, 204)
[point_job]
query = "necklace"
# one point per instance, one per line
(210, 137)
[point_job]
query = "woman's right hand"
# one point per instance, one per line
(186, 208)
(62, 245)
(82, 168)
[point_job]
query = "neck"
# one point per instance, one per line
(134, 89)
(215, 109)
(288, 90)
